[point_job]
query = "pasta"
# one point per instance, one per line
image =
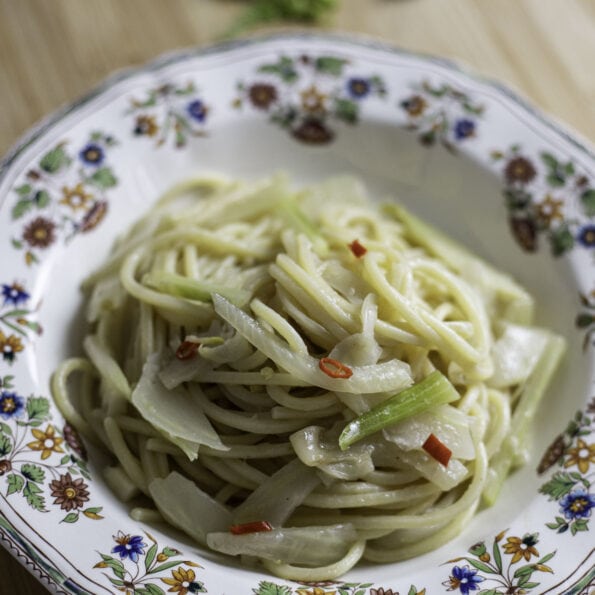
(304, 378)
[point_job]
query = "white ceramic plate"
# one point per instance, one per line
(465, 153)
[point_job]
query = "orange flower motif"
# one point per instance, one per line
(313, 100)
(146, 126)
(315, 591)
(47, 442)
(183, 582)
(9, 346)
(582, 455)
(521, 548)
(76, 198)
(550, 209)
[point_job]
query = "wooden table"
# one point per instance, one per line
(52, 51)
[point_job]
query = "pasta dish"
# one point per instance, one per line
(304, 377)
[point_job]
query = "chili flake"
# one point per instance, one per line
(252, 527)
(437, 449)
(357, 249)
(186, 350)
(334, 368)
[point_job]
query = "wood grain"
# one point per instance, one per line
(53, 51)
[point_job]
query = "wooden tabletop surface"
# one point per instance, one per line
(52, 51)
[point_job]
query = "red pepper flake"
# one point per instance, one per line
(357, 249)
(334, 368)
(437, 449)
(253, 527)
(186, 350)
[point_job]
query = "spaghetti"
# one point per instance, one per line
(303, 377)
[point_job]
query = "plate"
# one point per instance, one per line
(465, 153)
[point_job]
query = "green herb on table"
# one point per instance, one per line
(263, 12)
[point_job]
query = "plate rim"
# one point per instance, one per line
(39, 129)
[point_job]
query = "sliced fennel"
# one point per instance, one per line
(435, 389)
(447, 423)
(315, 449)
(177, 414)
(515, 444)
(516, 353)
(392, 375)
(183, 504)
(312, 546)
(275, 499)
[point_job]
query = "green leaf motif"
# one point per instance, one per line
(560, 525)
(116, 566)
(557, 487)
(546, 558)
(71, 517)
(5, 445)
(153, 589)
(103, 178)
(267, 588)
(497, 556)
(21, 208)
(6, 382)
(525, 570)
(42, 199)
(561, 240)
(550, 161)
(23, 190)
(489, 592)
(5, 428)
(32, 326)
(480, 566)
(169, 552)
(330, 65)
(284, 69)
(54, 160)
(151, 553)
(15, 484)
(31, 492)
(588, 202)
(33, 472)
(187, 90)
(579, 525)
(556, 179)
(38, 408)
(346, 110)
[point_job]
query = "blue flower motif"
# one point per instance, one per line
(14, 294)
(11, 405)
(578, 504)
(586, 236)
(197, 110)
(464, 579)
(92, 154)
(129, 546)
(464, 128)
(358, 88)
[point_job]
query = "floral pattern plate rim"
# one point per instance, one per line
(467, 152)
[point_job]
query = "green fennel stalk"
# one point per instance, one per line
(435, 389)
